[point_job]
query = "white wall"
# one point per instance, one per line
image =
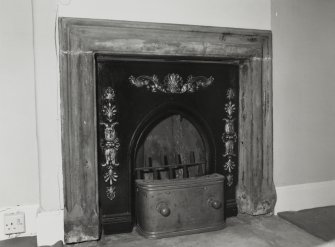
(304, 90)
(19, 174)
(304, 105)
(19, 182)
(254, 14)
(48, 104)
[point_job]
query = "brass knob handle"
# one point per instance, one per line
(163, 209)
(214, 203)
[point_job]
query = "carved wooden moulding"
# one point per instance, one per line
(80, 39)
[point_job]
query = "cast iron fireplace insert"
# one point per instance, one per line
(135, 94)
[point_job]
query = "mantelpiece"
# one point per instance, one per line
(81, 39)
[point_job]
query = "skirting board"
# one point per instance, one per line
(303, 196)
(50, 227)
(30, 215)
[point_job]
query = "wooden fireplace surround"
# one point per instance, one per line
(80, 39)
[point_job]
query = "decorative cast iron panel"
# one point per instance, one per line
(172, 83)
(110, 143)
(229, 137)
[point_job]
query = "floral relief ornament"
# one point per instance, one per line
(230, 180)
(110, 143)
(230, 94)
(172, 83)
(229, 165)
(230, 109)
(109, 111)
(110, 192)
(229, 137)
(111, 175)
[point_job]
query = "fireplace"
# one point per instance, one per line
(163, 118)
(122, 82)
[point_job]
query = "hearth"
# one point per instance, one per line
(213, 64)
(163, 118)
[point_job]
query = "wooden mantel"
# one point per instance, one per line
(80, 39)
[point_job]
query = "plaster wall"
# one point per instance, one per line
(253, 14)
(19, 174)
(304, 91)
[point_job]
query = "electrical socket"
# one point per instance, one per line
(14, 223)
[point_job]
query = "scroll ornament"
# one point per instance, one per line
(229, 137)
(172, 83)
(110, 143)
